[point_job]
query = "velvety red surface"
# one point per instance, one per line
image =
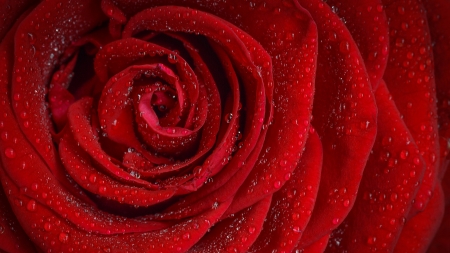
(224, 126)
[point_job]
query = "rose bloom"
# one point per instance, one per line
(224, 126)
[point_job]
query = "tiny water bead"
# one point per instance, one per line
(296, 229)
(336, 221)
(186, 236)
(63, 237)
(371, 240)
(31, 206)
(277, 184)
(10, 153)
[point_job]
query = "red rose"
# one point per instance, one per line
(224, 126)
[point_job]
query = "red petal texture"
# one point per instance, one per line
(388, 187)
(420, 230)
(344, 117)
(292, 205)
(317, 246)
(410, 71)
(439, 24)
(12, 236)
(224, 126)
(11, 11)
(368, 25)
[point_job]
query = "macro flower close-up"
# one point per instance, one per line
(211, 126)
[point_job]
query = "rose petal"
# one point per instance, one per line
(66, 236)
(78, 165)
(344, 116)
(12, 237)
(317, 246)
(10, 12)
(367, 23)
(292, 206)
(292, 100)
(32, 73)
(440, 242)
(409, 77)
(83, 133)
(237, 233)
(420, 230)
(387, 188)
(439, 24)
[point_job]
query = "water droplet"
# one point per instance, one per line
(34, 186)
(47, 226)
(228, 117)
(422, 50)
(346, 202)
(394, 197)
(102, 189)
(287, 176)
(344, 46)
(63, 237)
(335, 221)
(31, 206)
(277, 184)
(4, 136)
(403, 154)
(371, 240)
(186, 236)
(251, 230)
(9, 152)
(92, 178)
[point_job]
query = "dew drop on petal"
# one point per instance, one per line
(10, 153)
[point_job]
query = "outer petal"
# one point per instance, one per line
(441, 242)
(292, 206)
(10, 12)
(12, 237)
(439, 23)
(410, 79)
(54, 232)
(368, 25)
(387, 188)
(316, 247)
(293, 90)
(420, 230)
(36, 51)
(344, 117)
(237, 233)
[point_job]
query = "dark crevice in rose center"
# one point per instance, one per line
(127, 210)
(162, 102)
(83, 72)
